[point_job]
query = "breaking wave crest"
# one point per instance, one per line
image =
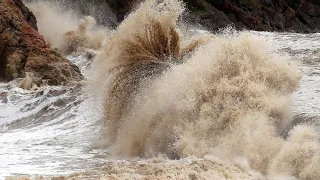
(226, 95)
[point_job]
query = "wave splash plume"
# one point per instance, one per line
(227, 96)
(65, 30)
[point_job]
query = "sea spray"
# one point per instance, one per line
(59, 134)
(229, 98)
(65, 30)
(84, 37)
(52, 21)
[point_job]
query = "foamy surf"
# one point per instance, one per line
(215, 109)
(230, 97)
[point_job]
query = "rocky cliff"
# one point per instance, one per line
(262, 15)
(266, 15)
(24, 53)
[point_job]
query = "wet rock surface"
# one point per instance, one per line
(265, 15)
(301, 16)
(23, 50)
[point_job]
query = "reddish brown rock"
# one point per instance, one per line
(24, 51)
(28, 15)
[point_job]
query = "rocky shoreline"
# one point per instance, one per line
(24, 52)
(301, 16)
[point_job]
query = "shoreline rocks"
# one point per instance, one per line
(23, 50)
(302, 16)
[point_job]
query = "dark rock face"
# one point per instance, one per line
(23, 50)
(207, 15)
(100, 10)
(105, 12)
(267, 15)
(122, 7)
(262, 15)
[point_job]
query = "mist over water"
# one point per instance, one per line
(164, 101)
(65, 30)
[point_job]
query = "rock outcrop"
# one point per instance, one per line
(24, 53)
(262, 15)
(265, 15)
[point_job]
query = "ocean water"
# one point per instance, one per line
(54, 131)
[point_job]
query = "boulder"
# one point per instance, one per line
(24, 51)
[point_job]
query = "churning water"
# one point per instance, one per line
(218, 108)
